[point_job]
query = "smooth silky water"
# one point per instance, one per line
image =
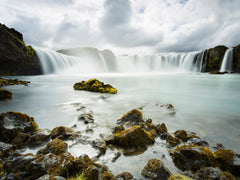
(205, 104)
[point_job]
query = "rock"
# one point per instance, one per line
(15, 57)
(91, 172)
(192, 157)
(124, 176)
(50, 177)
(38, 139)
(214, 58)
(211, 173)
(95, 85)
(162, 128)
(21, 140)
(101, 145)
(155, 170)
(22, 167)
(118, 129)
(63, 133)
(236, 58)
(11, 82)
(107, 175)
(86, 118)
(5, 94)
(172, 141)
(181, 134)
(217, 72)
(6, 149)
(179, 177)
(133, 137)
(56, 146)
(133, 117)
(13, 123)
(169, 107)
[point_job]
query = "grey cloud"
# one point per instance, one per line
(116, 26)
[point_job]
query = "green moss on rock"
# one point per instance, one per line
(5, 94)
(179, 177)
(95, 85)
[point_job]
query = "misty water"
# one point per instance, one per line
(205, 104)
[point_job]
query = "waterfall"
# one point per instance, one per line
(90, 60)
(227, 61)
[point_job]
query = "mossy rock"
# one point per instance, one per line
(63, 133)
(217, 72)
(5, 94)
(13, 123)
(107, 175)
(21, 140)
(133, 137)
(56, 146)
(181, 134)
(162, 128)
(95, 85)
(193, 157)
(38, 139)
(179, 177)
(155, 169)
(11, 82)
(133, 117)
(172, 141)
(124, 175)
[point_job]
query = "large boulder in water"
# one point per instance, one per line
(15, 57)
(95, 85)
(13, 123)
(236, 58)
(214, 58)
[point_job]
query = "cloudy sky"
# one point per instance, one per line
(125, 26)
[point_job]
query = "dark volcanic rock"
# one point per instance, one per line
(236, 58)
(15, 57)
(13, 123)
(214, 58)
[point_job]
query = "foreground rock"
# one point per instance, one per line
(5, 94)
(11, 82)
(155, 170)
(15, 57)
(13, 123)
(95, 85)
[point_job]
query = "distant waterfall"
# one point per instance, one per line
(227, 61)
(90, 60)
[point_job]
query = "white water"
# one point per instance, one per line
(91, 61)
(227, 61)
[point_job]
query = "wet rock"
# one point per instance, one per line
(169, 107)
(38, 139)
(11, 82)
(49, 177)
(172, 141)
(162, 128)
(155, 170)
(5, 94)
(91, 172)
(181, 134)
(192, 157)
(116, 156)
(217, 72)
(179, 177)
(13, 123)
(124, 176)
(95, 85)
(107, 175)
(133, 137)
(56, 146)
(22, 167)
(63, 133)
(21, 140)
(212, 173)
(86, 118)
(133, 117)
(101, 145)
(118, 129)
(236, 58)
(6, 149)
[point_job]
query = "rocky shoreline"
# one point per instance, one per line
(132, 134)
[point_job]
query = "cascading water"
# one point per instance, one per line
(227, 61)
(90, 60)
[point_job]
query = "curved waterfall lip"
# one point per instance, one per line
(227, 61)
(106, 62)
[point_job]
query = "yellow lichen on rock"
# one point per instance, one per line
(95, 85)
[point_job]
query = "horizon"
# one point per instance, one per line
(125, 26)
